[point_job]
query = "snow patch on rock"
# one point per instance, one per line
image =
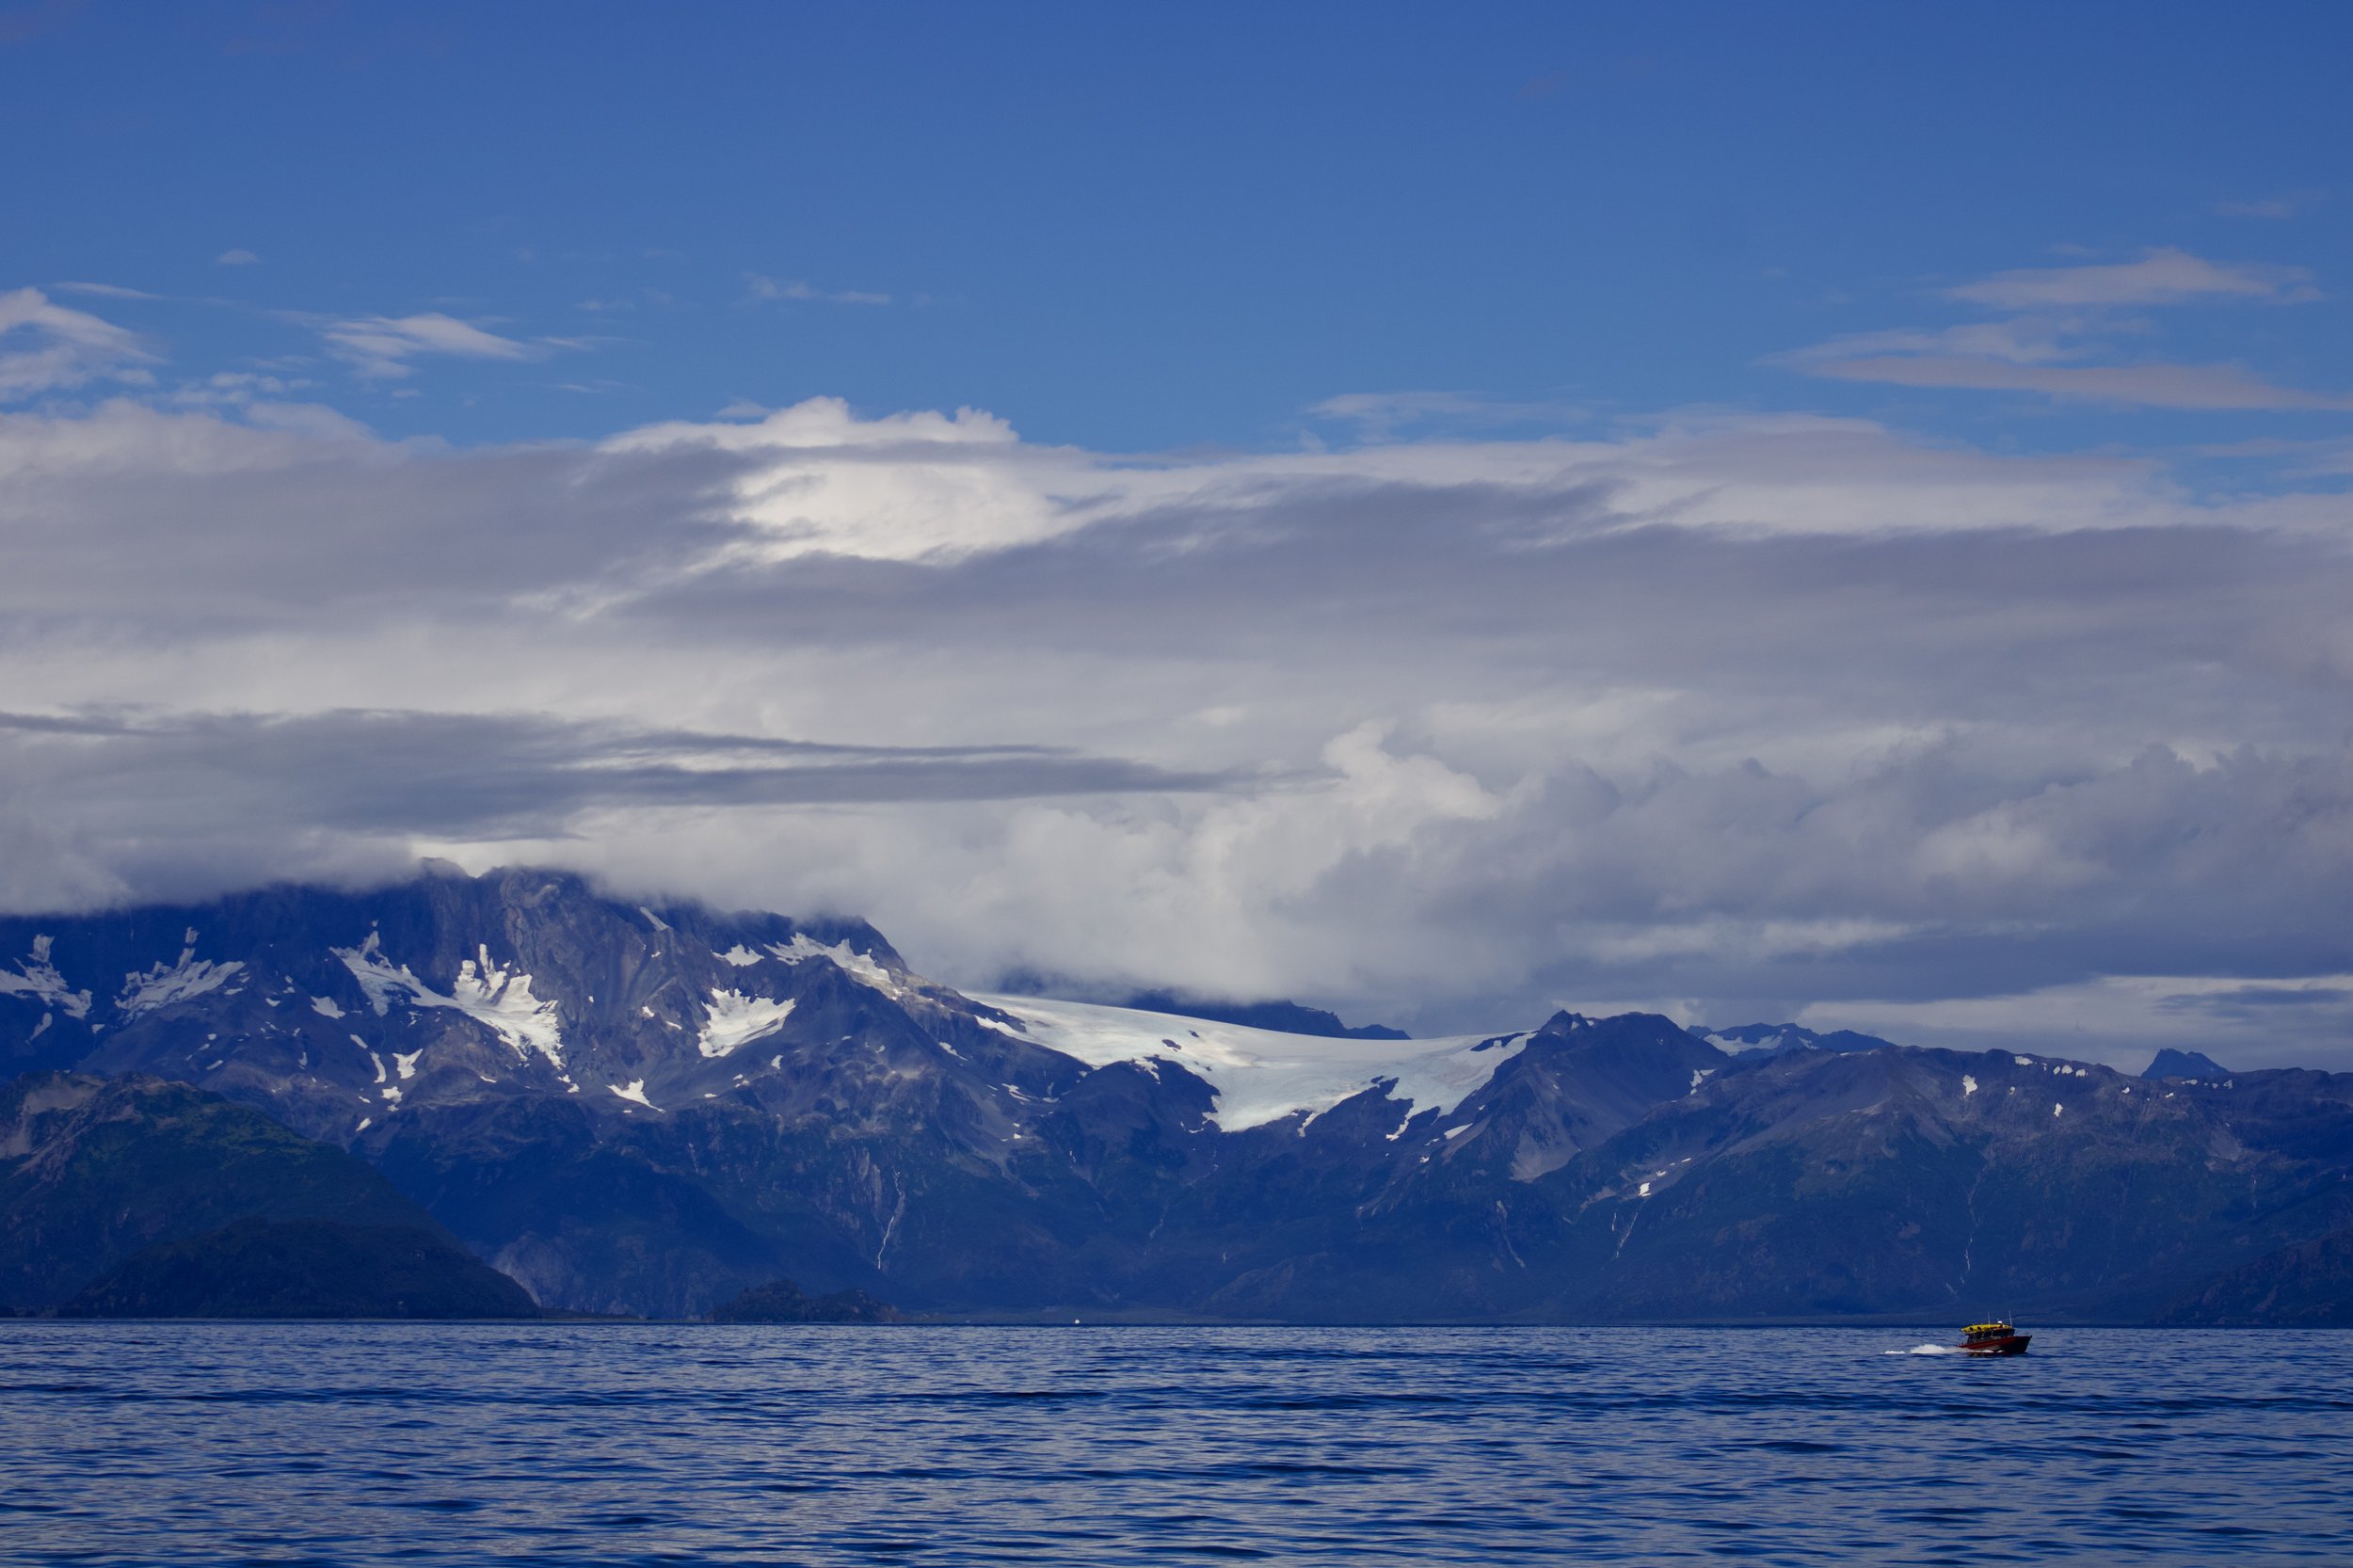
(735, 1020)
(160, 984)
(858, 966)
(498, 999)
(37, 977)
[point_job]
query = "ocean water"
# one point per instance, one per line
(333, 1444)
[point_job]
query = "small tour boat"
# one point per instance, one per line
(1997, 1338)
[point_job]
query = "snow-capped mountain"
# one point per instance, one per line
(649, 1108)
(339, 1011)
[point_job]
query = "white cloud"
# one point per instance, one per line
(105, 291)
(817, 480)
(1741, 714)
(381, 347)
(2064, 345)
(908, 486)
(2162, 275)
(2021, 340)
(236, 258)
(2147, 386)
(45, 346)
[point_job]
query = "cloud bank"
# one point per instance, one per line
(1732, 716)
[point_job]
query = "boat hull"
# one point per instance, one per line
(2014, 1344)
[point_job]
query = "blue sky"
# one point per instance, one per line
(1831, 513)
(1149, 230)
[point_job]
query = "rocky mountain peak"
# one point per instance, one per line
(650, 1106)
(342, 1009)
(2193, 1065)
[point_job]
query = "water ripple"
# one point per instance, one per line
(413, 1444)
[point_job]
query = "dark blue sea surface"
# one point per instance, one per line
(201, 1443)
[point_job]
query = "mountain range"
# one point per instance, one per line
(653, 1108)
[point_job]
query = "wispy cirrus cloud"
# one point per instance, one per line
(765, 288)
(48, 346)
(104, 290)
(2064, 339)
(1383, 416)
(45, 346)
(380, 348)
(2286, 204)
(2019, 341)
(2162, 275)
(2145, 386)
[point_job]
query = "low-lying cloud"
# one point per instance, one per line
(1726, 716)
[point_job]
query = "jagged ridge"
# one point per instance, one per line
(652, 1109)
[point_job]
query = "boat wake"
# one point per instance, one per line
(1928, 1349)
